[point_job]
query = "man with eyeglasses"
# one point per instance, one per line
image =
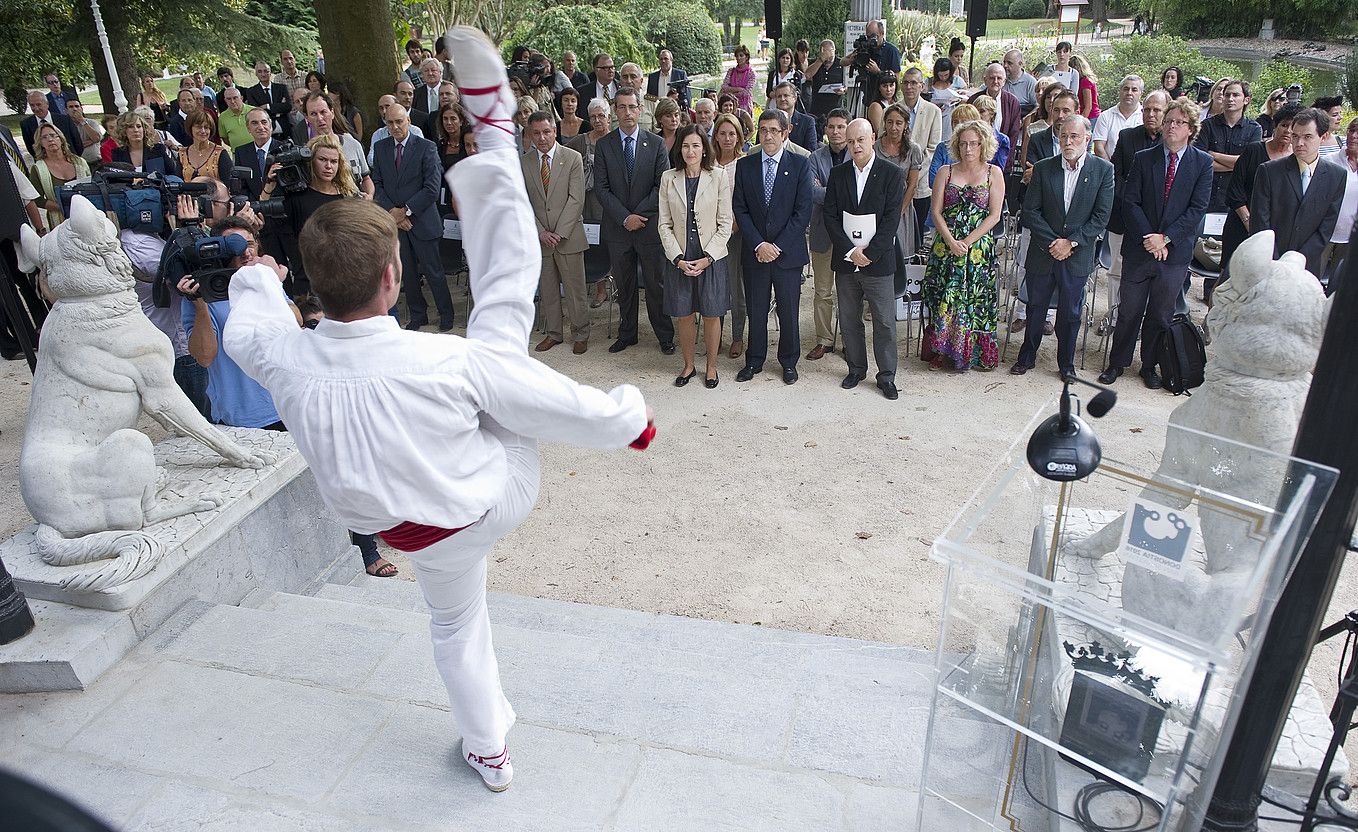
(1131, 141)
(1163, 204)
(1297, 197)
(602, 84)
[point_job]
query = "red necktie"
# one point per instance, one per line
(401, 147)
(1169, 174)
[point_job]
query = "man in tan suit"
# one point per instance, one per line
(555, 176)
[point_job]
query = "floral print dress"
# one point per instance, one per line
(960, 291)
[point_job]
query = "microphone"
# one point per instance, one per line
(1063, 447)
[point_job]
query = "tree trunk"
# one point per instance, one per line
(115, 27)
(1098, 12)
(356, 37)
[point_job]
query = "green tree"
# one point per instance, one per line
(1148, 57)
(687, 31)
(732, 14)
(39, 38)
(815, 20)
(585, 30)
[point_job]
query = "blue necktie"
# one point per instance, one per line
(770, 171)
(263, 172)
(1305, 179)
(629, 151)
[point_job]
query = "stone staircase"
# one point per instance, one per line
(324, 712)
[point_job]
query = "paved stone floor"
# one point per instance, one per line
(325, 713)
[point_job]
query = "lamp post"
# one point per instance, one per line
(1325, 435)
(119, 97)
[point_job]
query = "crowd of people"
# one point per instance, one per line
(714, 209)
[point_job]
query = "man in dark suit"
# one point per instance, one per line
(865, 263)
(406, 174)
(271, 96)
(803, 131)
(426, 98)
(1131, 141)
(1011, 118)
(1297, 196)
(1166, 196)
(43, 113)
(1041, 145)
(772, 204)
(253, 157)
(658, 83)
(1066, 208)
(602, 83)
(627, 167)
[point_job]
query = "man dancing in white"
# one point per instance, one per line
(430, 440)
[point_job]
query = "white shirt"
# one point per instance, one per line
(389, 420)
(860, 175)
(549, 156)
(1070, 78)
(1348, 207)
(606, 92)
(1110, 124)
(27, 193)
(1072, 177)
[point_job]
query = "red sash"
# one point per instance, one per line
(412, 537)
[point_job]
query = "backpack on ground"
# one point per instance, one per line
(1182, 355)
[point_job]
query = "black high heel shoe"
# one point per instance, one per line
(710, 383)
(680, 381)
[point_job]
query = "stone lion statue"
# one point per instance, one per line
(87, 476)
(1268, 321)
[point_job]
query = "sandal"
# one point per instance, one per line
(381, 568)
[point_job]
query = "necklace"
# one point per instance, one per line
(188, 157)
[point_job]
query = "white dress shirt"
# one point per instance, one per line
(1072, 177)
(390, 420)
(1348, 207)
(860, 175)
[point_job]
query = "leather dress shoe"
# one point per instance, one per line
(789, 375)
(746, 373)
(737, 349)
(580, 347)
(546, 344)
(817, 352)
(1110, 375)
(12, 355)
(620, 345)
(1152, 379)
(851, 381)
(667, 349)
(1018, 324)
(888, 389)
(413, 325)
(446, 326)
(1019, 369)
(680, 381)
(1048, 327)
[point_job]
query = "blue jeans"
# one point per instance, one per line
(192, 379)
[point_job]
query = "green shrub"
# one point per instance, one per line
(585, 30)
(999, 9)
(1350, 85)
(1020, 9)
(1277, 74)
(1148, 57)
(687, 31)
(916, 28)
(815, 20)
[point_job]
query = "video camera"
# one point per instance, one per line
(1201, 89)
(294, 171)
(209, 262)
(1294, 93)
(240, 196)
(139, 200)
(866, 48)
(528, 72)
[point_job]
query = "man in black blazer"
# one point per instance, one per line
(1066, 208)
(271, 96)
(1041, 145)
(772, 202)
(426, 99)
(1131, 141)
(254, 158)
(1297, 197)
(1162, 217)
(406, 175)
(865, 266)
(802, 130)
(42, 113)
(59, 94)
(627, 165)
(658, 83)
(602, 84)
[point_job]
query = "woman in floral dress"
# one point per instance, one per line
(959, 281)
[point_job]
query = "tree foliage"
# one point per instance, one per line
(687, 31)
(815, 20)
(585, 30)
(1243, 18)
(1149, 57)
(39, 39)
(1277, 73)
(498, 18)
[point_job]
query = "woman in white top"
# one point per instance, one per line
(784, 69)
(1068, 75)
(943, 91)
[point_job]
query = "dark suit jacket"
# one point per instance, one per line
(8, 138)
(804, 132)
(784, 220)
(415, 185)
(68, 94)
(676, 74)
(620, 197)
(246, 156)
(1145, 211)
(1300, 222)
(1040, 146)
(420, 103)
(29, 127)
(275, 99)
(1131, 141)
(1011, 116)
(882, 197)
(1045, 214)
(154, 159)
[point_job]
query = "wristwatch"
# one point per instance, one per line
(409, 212)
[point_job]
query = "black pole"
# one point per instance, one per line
(16, 619)
(1326, 436)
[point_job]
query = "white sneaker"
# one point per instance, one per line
(496, 771)
(484, 86)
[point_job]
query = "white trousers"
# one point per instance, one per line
(503, 260)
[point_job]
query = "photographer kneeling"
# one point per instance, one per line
(329, 178)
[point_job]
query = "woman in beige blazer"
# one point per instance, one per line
(695, 225)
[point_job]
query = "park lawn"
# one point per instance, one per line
(1033, 26)
(169, 86)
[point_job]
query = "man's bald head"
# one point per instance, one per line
(860, 137)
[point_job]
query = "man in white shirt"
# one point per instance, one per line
(1126, 114)
(462, 469)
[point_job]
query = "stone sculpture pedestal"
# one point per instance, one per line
(272, 532)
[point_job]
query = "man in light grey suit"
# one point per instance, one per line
(406, 173)
(555, 177)
(834, 152)
(627, 167)
(1066, 207)
(1297, 196)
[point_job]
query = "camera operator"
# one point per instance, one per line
(873, 54)
(320, 121)
(329, 179)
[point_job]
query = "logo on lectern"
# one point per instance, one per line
(1156, 536)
